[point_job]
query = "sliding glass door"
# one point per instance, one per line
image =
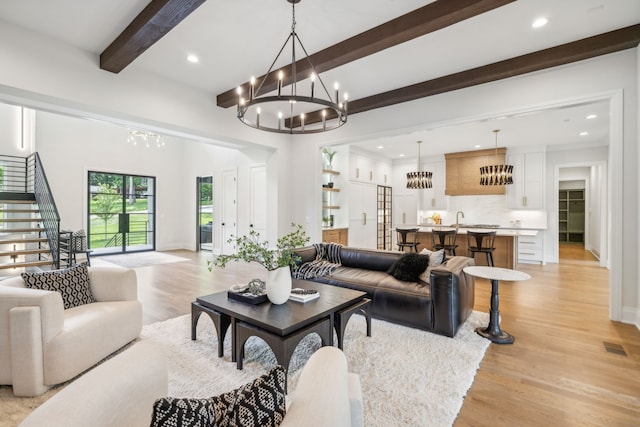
(121, 213)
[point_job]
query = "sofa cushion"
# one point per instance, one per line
(409, 267)
(356, 278)
(72, 283)
(368, 259)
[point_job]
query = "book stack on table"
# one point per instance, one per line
(303, 295)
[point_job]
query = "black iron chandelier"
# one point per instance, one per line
(419, 179)
(283, 110)
(496, 174)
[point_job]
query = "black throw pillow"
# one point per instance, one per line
(409, 267)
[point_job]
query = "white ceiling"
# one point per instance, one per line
(237, 39)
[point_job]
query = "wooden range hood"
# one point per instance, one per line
(463, 172)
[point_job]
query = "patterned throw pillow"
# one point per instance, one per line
(259, 403)
(72, 283)
(178, 412)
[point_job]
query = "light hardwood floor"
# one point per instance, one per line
(557, 373)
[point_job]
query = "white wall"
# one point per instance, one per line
(17, 131)
(69, 148)
(207, 160)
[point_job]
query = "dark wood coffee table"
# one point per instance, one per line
(280, 326)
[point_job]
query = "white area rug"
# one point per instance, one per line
(135, 260)
(409, 377)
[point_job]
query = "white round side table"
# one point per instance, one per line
(494, 274)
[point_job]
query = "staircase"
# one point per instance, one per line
(22, 244)
(29, 220)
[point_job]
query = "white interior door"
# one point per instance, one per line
(229, 209)
(258, 200)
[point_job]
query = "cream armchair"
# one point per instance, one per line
(42, 345)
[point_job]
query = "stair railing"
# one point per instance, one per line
(13, 174)
(36, 182)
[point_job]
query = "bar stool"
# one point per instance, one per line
(482, 242)
(407, 237)
(444, 239)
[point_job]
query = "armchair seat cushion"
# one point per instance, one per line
(90, 333)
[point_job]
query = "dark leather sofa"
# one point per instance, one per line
(440, 305)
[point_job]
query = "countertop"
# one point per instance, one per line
(500, 231)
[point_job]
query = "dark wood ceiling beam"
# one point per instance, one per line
(156, 20)
(602, 44)
(432, 17)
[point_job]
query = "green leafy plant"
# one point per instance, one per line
(329, 155)
(249, 248)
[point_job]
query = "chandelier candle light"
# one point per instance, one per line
(304, 114)
(145, 138)
(420, 179)
(496, 174)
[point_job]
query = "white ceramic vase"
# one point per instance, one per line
(279, 285)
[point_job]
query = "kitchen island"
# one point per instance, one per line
(506, 243)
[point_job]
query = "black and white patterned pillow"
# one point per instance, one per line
(72, 283)
(183, 412)
(258, 403)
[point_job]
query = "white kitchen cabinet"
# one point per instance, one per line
(382, 174)
(527, 190)
(405, 209)
(405, 200)
(362, 215)
(434, 198)
(361, 168)
(530, 248)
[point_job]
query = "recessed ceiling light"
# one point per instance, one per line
(477, 146)
(193, 59)
(585, 133)
(401, 155)
(380, 147)
(591, 116)
(539, 22)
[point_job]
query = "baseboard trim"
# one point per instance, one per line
(631, 315)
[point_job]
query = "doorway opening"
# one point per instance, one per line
(581, 222)
(120, 213)
(205, 212)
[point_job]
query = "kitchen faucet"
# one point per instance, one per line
(457, 220)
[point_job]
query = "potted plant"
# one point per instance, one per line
(329, 154)
(276, 260)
